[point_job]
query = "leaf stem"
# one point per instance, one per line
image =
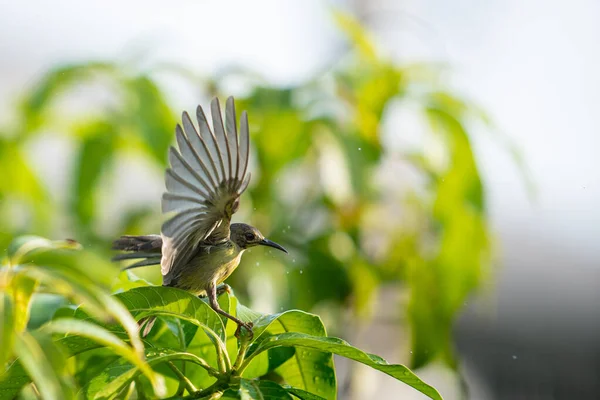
(214, 389)
(246, 360)
(244, 344)
(182, 379)
(182, 345)
(222, 355)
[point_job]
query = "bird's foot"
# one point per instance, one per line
(248, 326)
(224, 288)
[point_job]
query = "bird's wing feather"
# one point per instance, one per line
(207, 175)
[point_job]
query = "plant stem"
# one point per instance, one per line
(245, 361)
(244, 343)
(182, 345)
(221, 360)
(214, 389)
(182, 378)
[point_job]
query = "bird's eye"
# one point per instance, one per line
(250, 236)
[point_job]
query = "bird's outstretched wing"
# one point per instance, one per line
(206, 177)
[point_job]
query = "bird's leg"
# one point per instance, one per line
(212, 299)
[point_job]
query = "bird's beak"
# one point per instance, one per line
(267, 242)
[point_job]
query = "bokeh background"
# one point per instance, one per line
(431, 165)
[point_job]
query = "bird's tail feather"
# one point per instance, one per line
(147, 248)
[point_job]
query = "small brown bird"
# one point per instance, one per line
(198, 247)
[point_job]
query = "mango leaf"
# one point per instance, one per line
(302, 394)
(7, 327)
(43, 363)
(153, 300)
(365, 282)
(269, 361)
(53, 84)
(65, 311)
(95, 155)
(201, 345)
(75, 286)
(19, 182)
(152, 116)
(127, 280)
(342, 348)
(257, 390)
(120, 373)
(22, 247)
(357, 35)
(459, 211)
(105, 338)
(307, 369)
(22, 288)
(91, 363)
(67, 272)
(16, 376)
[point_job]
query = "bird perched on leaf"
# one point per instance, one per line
(199, 247)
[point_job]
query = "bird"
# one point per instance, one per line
(198, 247)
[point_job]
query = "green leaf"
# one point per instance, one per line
(152, 116)
(287, 321)
(22, 288)
(7, 327)
(257, 390)
(66, 311)
(15, 377)
(22, 247)
(105, 338)
(365, 282)
(20, 183)
(146, 301)
(302, 394)
(308, 369)
(76, 274)
(202, 345)
(67, 272)
(357, 34)
(159, 300)
(92, 363)
(96, 300)
(248, 315)
(127, 280)
(53, 84)
(342, 348)
(43, 364)
(95, 155)
(462, 250)
(120, 373)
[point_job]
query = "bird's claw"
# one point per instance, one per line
(223, 288)
(248, 326)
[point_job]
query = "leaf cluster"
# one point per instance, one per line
(94, 350)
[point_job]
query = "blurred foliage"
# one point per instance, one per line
(192, 352)
(332, 181)
(33, 264)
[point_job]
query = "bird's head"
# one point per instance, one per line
(246, 236)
